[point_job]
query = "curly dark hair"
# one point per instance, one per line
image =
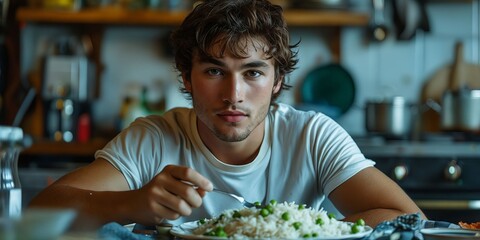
(231, 23)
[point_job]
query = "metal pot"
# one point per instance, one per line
(469, 107)
(390, 117)
(459, 110)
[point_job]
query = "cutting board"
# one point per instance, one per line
(452, 76)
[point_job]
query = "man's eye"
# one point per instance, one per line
(214, 72)
(253, 74)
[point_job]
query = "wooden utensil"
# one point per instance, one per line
(452, 77)
(455, 78)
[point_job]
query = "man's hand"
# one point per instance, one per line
(100, 194)
(169, 195)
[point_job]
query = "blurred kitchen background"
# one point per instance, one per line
(75, 72)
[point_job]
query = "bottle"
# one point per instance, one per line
(10, 189)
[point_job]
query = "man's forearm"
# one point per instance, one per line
(93, 208)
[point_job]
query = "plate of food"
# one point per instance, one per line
(449, 233)
(286, 220)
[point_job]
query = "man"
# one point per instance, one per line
(233, 57)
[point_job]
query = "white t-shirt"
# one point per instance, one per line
(304, 156)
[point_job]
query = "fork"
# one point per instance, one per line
(238, 198)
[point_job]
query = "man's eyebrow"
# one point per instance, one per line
(254, 64)
(206, 59)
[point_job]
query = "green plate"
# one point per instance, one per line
(329, 85)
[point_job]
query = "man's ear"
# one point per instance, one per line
(278, 86)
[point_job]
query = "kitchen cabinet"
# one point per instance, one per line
(93, 22)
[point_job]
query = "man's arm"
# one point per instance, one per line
(372, 196)
(100, 194)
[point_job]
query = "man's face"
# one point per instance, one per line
(231, 96)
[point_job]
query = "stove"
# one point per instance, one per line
(440, 173)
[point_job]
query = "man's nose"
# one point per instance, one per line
(234, 89)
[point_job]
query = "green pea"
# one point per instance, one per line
(297, 225)
(331, 215)
(301, 206)
(306, 235)
(220, 232)
(355, 229)
(286, 216)
(202, 221)
(360, 222)
(314, 235)
(257, 204)
(236, 214)
(273, 202)
(269, 208)
(319, 221)
(264, 212)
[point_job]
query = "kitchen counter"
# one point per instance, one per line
(379, 147)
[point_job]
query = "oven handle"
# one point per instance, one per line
(449, 204)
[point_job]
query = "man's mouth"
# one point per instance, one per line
(232, 116)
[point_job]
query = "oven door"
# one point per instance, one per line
(445, 188)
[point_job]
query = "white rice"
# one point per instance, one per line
(251, 224)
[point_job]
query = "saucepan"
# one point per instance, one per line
(391, 117)
(460, 103)
(459, 110)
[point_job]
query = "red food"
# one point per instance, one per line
(475, 225)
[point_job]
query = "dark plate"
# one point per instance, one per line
(329, 85)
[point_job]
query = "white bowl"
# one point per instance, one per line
(37, 223)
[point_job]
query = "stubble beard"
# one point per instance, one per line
(236, 135)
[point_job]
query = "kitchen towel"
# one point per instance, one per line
(115, 231)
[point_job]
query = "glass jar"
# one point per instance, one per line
(10, 189)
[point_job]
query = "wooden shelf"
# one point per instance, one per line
(330, 18)
(48, 147)
(112, 15)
